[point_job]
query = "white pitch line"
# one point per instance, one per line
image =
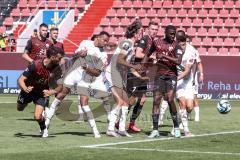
(166, 150)
(159, 139)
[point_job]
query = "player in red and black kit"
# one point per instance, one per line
(145, 47)
(37, 46)
(34, 81)
(53, 36)
(168, 56)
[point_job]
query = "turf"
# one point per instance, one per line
(20, 138)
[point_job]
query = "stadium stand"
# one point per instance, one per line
(211, 24)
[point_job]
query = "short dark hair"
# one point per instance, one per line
(93, 37)
(53, 29)
(181, 38)
(104, 33)
(179, 34)
(43, 25)
(152, 23)
(170, 27)
(53, 51)
(35, 30)
(188, 37)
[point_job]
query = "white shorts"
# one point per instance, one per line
(73, 77)
(185, 90)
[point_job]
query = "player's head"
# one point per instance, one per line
(134, 30)
(55, 54)
(43, 30)
(188, 39)
(54, 33)
(102, 39)
(182, 41)
(170, 33)
(180, 33)
(153, 28)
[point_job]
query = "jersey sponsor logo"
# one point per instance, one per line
(179, 51)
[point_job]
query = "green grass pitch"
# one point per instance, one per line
(218, 137)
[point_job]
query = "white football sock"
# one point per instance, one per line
(183, 114)
(107, 107)
(113, 117)
(86, 109)
(163, 109)
(54, 106)
(196, 109)
(122, 122)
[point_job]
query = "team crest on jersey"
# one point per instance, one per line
(125, 45)
(142, 41)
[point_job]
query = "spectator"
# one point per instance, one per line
(35, 33)
(12, 42)
(2, 42)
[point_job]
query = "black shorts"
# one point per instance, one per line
(165, 83)
(135, 85)
(35, 97)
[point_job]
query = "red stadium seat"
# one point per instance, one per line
(157, 20)
(131, 13)
(237, 22)
(228, 42)
(237, 5)
(160, 32)
(166, 21)
(117, 4)
(187, 4)
(52, 4)
(202, 32)
(115, 21)
(207, 22)
(108, 29)
(141, 12)
(208, 4)
(113, 39)
(218, 4)
(197, 22)
(218, 42)
(62, 4)
(157, 4)
(137, 4)
(8, 21)
(223, 32)
(32, 4)
(212, 51)
(196, 41)
(192, 13)
(177, 4)
(234, 32)
(202, 51)
(111, 13)
(104, 22)
(147, 4)
(212, 32)
(121, 12)
(176, 22)
(198, 4)
(15, 12)
(223, 51)
(25, 12)
(182, 13)
(97, 30)
(127, 4)
(234, 13)
(22, 4)
(218, 22)
(125, 21)
(229, 4)
(229, 22)
(161, 13)
(172, 13)
(145, 21)
(186, 22)
(191, 31)
(202, 13)
(207, 42)
(80, 4)
(234, 51)
(2, 29)
(224, 13)
(213, 13)
(167, 4)
(119, 31)
(237, 42)
(151, 13)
